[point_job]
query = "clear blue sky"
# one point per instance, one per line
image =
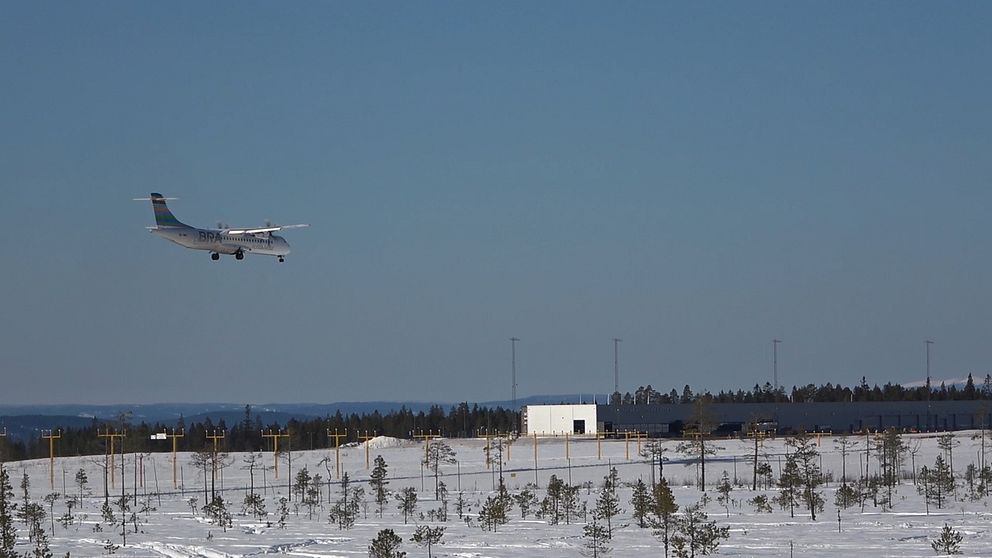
(695, 178)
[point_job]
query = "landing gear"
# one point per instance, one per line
(281, 259)
(214, 256)
(239, 255)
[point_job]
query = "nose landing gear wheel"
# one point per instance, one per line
(281, 259)
(214, 256)
(239, 255)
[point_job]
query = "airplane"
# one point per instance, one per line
(222, 240)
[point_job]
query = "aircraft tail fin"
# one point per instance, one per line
(164, 217)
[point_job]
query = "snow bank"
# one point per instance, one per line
(381, 442)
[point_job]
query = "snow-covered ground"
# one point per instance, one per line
(173, 530)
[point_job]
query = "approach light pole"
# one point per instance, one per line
(927, 344)
(775, 343)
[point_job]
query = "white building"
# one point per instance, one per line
(547, 420)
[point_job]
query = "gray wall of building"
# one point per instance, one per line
(837, 417)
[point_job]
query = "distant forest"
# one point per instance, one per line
(462, 420)
(811, 393)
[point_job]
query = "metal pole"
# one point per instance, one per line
(927, 343)
(616, 365)
(513, 377)
(775, 343)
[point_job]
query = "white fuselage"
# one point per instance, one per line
(214, 240)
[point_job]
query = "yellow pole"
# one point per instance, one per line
(175, 437)
(535, 457)
(275, 447)
(337, 449)
(568, 456)
(215, 437)
(365, 438)
(111, 436)
(626, 444)
(51, 437)
(489, 456)
(427, 441)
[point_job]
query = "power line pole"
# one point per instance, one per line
(616, 365)
(927, 343)
(513, 368)
(775, 343)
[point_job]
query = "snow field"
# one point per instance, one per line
(173, 530)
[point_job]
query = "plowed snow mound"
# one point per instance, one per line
(380, 442)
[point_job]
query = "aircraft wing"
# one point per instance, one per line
(266, 229)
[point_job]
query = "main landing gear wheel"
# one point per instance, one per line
(239, 255)
(214, 256)
(281, 259)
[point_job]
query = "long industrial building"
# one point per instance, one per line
(670, 420)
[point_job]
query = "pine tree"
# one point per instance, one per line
(788, 486)
(217, 512)
(724, 488)
(525, 500)
(949, 541)
(438, 453)
(378, 483)
(551, 506)
(640, 501)
(428, 537)
(937, 482)
(808, 472)
(283, 510)
(81, 483)
(8, 533)
(407, 502)
(345, 509)
(664, 512)
(696, 535)
(698, 447)
(845, 497)
(386, 545)
(596, 538)
(495, 510)
(608, 505)
(760, 503)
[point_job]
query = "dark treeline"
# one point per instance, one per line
(811, 393)
(463, 420)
